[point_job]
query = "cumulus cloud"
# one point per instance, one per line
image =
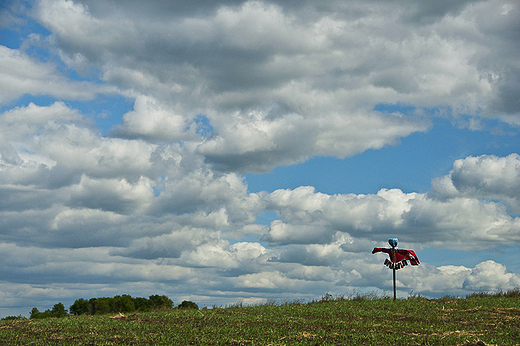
(314, 255)
(257, 143)
(266, 73)
(154, 122)
(487, 276)
(116, 195)
(281, 52)
(491, 276)
(170, 245)
(21, 74)
(464, 223)
(485, 176)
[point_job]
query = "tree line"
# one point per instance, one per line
(123, 303)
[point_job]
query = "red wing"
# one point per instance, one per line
(408, 255)
(381, 249)
(400, 255)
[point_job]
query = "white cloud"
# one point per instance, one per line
(263, 47)
(487, 276)
(26, 118)
(314, 255)
(169, 245)
(204, 190)
(116, 195)
(79, 150)
(21, 74)
(154, 121)
(498, 24)
(462, 223)
(465, 223)
(54, 146)
(485, 176)
(81, 227)
(491, 276)
(242, 255)
(257, 142)
(288, 83)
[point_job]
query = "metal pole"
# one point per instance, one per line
(395, 297)
(393, 269)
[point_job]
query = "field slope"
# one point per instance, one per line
(478, 320)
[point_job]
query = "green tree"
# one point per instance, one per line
(99, 305)
(127, 303)
(93, 305)
(12, 318)
(35, 313)
(46, 314)
(123, 303)
(103, 305)
(141, 304)
(186, 304)
(160, 302)
(115, 304)
(58, 310)
(81, 306)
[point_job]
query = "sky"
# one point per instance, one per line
(245, 151)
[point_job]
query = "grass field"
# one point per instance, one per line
(363, 320)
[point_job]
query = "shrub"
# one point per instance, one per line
(123, 303)
(58, 310)
(35, 313)
(80, 307)
(160, 302)
(141, 304)
(514, 293)
(11, 318)
(188, 305)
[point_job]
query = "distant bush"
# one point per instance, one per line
(58, 310)
(105, 305)
(124, 303)
(160, 302)
(327, 297)
(11, 318)
(514, 293)
(80, 307)
(188, 305)
(142, 304)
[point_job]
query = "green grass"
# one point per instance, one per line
(357, 320)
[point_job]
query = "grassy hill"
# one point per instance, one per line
(480, 319)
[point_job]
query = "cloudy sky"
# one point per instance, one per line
(239, 151)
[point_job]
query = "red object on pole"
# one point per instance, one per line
(398, 259)
(400, 254)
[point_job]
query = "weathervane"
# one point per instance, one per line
(398, 257)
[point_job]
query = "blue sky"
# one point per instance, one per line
(244, 151)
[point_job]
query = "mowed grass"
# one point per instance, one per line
(476, 320)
